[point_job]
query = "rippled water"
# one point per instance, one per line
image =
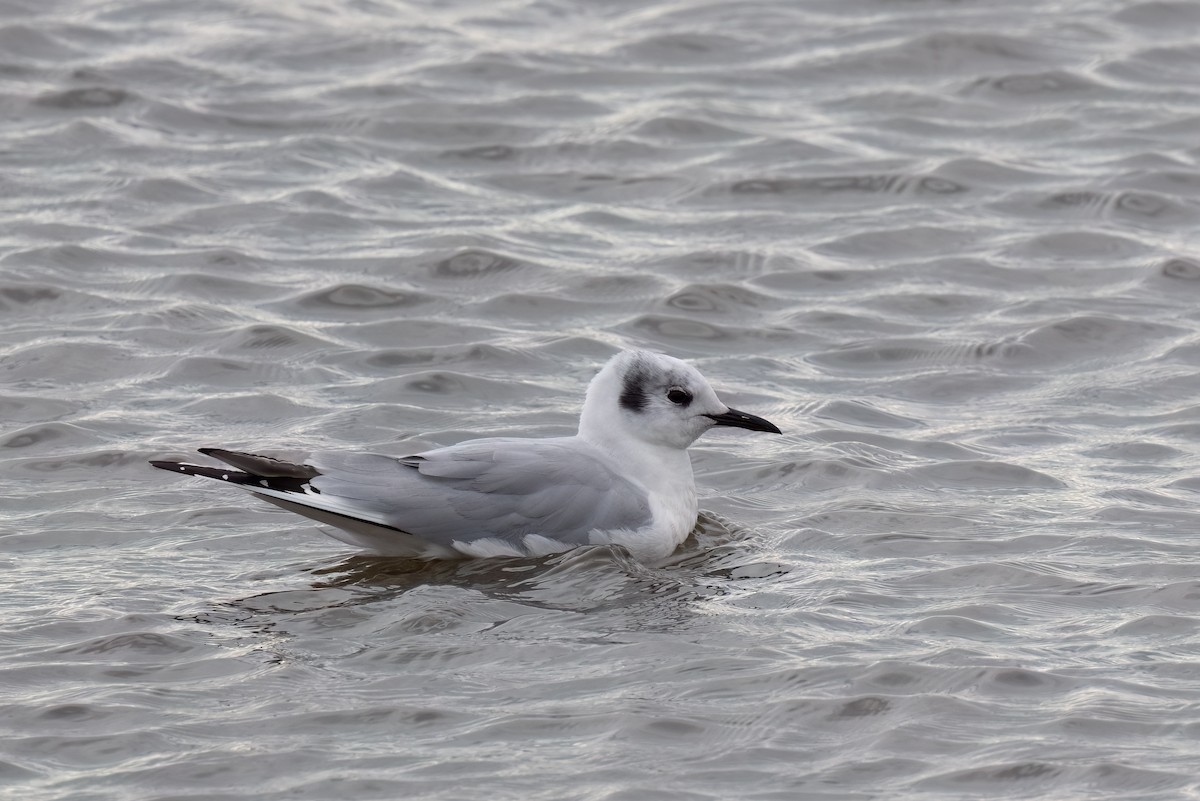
(950, 248)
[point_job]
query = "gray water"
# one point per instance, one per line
(951, 248)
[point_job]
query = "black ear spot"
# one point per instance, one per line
(680, 397)
(633, 396)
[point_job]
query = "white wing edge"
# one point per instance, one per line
(355, 527)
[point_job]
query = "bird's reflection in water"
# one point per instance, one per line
(587, 580)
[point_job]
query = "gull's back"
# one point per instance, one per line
(486, 497)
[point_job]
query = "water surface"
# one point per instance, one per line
(950, 248)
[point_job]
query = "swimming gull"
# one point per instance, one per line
(625, 478)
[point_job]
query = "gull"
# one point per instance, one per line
(624, 479)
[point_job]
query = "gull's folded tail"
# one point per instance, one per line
(287, 486)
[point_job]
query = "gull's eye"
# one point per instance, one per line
(679, 396)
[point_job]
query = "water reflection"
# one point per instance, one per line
(598, 580)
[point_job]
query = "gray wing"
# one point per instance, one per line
(489, 488)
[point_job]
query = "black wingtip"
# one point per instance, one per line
(282, 476)
(219, 472)
(263, 466)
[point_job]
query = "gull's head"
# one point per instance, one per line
(656, 399)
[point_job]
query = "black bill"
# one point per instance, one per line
(742, 420)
